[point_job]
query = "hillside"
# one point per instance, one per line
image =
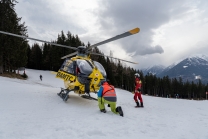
(31, 109)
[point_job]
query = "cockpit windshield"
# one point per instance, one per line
(84, 67)
(101, 68)
(81, 55)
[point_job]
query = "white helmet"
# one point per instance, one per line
(137, 74)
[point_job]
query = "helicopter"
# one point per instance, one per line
(80, 73)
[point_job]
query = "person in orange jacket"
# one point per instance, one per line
(137, 90)
(107, 95)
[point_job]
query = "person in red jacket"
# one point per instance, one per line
(137, 90)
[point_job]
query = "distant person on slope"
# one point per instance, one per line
(137, 90)
(41, 77)
(107, 95)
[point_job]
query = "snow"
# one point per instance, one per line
(31, 109)
(198, 77)
(198, 59)
(199, 56)
(185, 67)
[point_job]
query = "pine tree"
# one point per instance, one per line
(46, 57)
(36, 57)
(28, 57)
(13, 51)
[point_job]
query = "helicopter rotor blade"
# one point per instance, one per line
(69, 55)
(128, 33)
(20, 36)
(113, 57)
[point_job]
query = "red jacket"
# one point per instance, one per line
(138, 83)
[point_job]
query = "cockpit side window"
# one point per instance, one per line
(101, 68)
(68, 66)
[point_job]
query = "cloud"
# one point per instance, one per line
(122, 14)
(150, 50)
(46, 19)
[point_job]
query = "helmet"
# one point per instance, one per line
(137, 75)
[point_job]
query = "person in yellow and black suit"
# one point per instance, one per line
(107, 95)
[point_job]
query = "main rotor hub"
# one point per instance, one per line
(81, 51)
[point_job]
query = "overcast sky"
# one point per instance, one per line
(170, 30)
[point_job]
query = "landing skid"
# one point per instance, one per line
(88, 97)
(64, 94)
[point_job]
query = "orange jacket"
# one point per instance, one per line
(108, 92)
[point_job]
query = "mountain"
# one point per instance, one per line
(155, 70)
(191, 68)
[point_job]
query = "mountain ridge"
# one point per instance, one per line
(189, 69)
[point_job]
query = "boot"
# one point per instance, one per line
(137, 104)
(103, 110)
(142, 104)
(119, 110)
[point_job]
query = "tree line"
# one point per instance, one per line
(16, 52)
(173, 87)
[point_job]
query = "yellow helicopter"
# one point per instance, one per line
(80, 73)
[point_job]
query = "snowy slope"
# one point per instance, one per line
(31, 109)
